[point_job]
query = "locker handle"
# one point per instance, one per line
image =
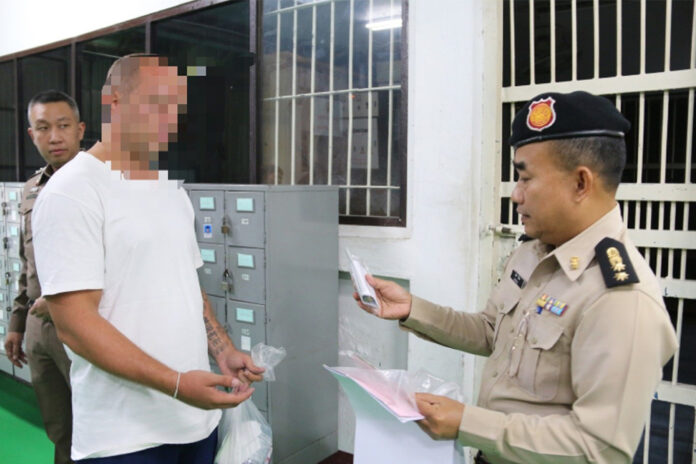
(226, 285)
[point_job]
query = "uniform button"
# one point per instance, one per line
(511, 330)
(495, 374)
(534, 340)
(514, 348)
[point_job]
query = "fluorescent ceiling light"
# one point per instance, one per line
(383, 24)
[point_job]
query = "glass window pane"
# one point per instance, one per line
(95, 57)
(323, 48)
(341, 44)
(343, 138)
(217, 120)
(8, 123)
(44, 71)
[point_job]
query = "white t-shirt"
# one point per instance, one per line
(135, 240)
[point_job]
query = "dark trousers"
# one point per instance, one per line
(50, 378)
(200, 452)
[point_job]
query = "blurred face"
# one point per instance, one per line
(544, 194)
(146, 116)
(55, 131)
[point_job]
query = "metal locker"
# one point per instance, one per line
(11, 200)
(12, 239)
(246, 323)
(246, 268)
(14, 269)
(5, 364)
(280, 273)
(244, 214)
(212, 273)
(208, 207)
(5, 307)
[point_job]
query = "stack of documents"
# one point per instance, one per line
(385, 428)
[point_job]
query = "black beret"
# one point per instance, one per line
(566, 115)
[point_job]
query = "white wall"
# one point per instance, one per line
(27, 24)
(444, 253)
(452, 109)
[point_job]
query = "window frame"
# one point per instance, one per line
(402, 153)
(255, 98)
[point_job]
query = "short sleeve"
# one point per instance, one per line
(68, 244)
(197, 259)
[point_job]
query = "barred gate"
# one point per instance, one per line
(641, 55)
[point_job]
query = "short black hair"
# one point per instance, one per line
(53, 96)
(604, 155)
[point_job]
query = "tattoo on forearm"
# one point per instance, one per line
(206, 301)
(216, 344)
(217, 338)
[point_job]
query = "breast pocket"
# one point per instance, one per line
(505, 302)
(542, 356)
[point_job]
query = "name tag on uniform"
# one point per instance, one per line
(518, 279)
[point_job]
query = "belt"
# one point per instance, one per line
(480, 458)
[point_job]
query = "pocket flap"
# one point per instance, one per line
(508, 302)
(543, 333)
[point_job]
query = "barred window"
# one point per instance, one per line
(641, 56)
(332, 104)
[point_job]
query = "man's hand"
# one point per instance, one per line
(13, 348)
(40, 309)
(442, 415)
(394, 301)
(239, 365)
(199, 389)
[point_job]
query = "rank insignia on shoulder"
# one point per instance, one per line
(613, 261)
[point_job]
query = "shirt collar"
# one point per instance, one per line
(576, 254)
(46, 174)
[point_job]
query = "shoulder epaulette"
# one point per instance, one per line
(614, 262)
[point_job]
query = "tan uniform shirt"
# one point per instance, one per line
(29, 288)
(574, 387)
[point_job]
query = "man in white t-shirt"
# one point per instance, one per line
(116, 255)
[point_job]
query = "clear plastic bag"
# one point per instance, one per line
(400, 383)
(244, 435)
(267, 357)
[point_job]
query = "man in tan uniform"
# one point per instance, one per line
(576, 331)
(56, 131)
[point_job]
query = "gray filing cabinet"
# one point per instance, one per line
(270, 269)
(10, 268)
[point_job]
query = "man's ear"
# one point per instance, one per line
(113, 97)
(31, 133)
(585, 181)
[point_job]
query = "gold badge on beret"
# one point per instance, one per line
(541, 114)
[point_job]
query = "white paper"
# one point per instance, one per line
(377, 386)
(381, 437)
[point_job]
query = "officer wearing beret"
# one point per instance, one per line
(576, 332)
